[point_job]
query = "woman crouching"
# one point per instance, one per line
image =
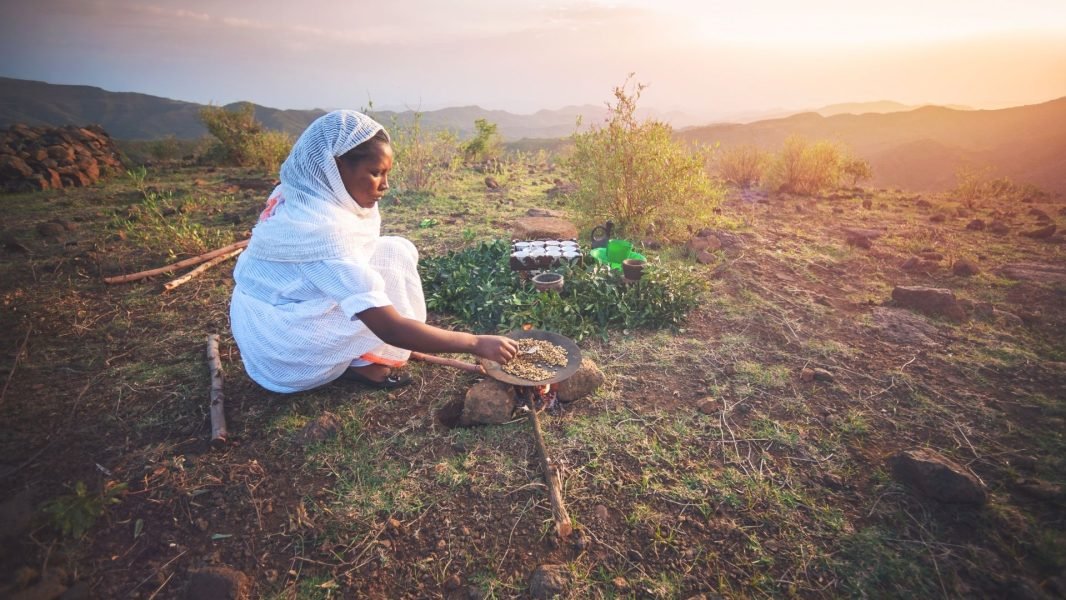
(319, 293)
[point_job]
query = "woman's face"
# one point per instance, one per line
(367, 180)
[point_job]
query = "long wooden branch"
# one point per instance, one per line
(188, 262)
(448, 362)
(218, 414)
(563, 526)
(198, 270)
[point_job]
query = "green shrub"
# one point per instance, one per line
(856, 169)
(742, 166)
(974, 187)
(486, 143)
(74, 514)
(423, 159)
(477, 288)
(242, 141)
(805, 168)
(636, 174)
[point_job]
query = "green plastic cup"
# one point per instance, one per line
(618, 250)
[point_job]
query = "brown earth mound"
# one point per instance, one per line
(47, 158)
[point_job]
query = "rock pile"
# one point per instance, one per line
(47, 158)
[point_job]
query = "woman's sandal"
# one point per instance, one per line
(392, 381)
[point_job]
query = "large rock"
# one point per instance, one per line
(937, 477)
(1035, 272)
(549, 581)
(488, 402)
(217, 583)
(586, 380)
(903, 327)
(1042, 233)
(551, 228)
(937, 302)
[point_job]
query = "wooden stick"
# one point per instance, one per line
(188, 262)
(563, 525)
(195, 272)
(218, 414)
(448, 362)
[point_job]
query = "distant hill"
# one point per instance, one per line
(922, 149)
(132, 116)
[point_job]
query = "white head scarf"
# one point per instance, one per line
(316, 219)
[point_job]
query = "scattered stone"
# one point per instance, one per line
(620, 583)
(51, 229)
(1041, 234)
(586, 380)
(452, 583)
(1039, 489)
(552, 228)
(999, 228)
(491, 183)
(858, 241)
(705, 258)
(931, 255)
(45, 158)
(544, 212)
(976, 225)
(806, 375)
(326, 426)
(938, 218)
(601, 513)
(549, 581)
(923, 204)
(903, 327)
(1035, 272)
(488, 402)
(937, 302)
(822, 375)
(1039, 214)
(707, 405)
(217, 583)
(871, 234)
(699, 244)
(867, 203)
(937, 477)
(1007, 317)
(911, 264)
(962, 213)
(965, 267)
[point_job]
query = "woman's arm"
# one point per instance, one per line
(396, 330)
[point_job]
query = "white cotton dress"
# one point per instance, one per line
(316, 259)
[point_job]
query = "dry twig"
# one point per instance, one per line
(198, 270)
(218, 414)
(188, 262)
(563, 525)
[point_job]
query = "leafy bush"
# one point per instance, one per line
(423, 159)
(974, 187)
(805, 168)
(477, 288)
(74, 514)
(638, 175)
(242, 141)
(742, 166)
(856, 169)
(485, 144)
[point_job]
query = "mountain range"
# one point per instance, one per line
(919, 148)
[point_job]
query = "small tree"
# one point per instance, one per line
(741, 166)
(242, 140)
(423, 159)
(805, 168)
(638, 175)
(858, 169)
(486, 143)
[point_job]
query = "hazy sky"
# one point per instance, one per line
(704, 57)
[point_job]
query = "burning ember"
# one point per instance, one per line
(541, 397)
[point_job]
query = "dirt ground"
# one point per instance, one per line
(706, 466)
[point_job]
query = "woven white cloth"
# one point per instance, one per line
(315, 260)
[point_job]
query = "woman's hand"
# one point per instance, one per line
(495, 347)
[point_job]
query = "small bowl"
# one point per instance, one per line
(548, 281)
(633, 268)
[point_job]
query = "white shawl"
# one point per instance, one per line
(315, 218)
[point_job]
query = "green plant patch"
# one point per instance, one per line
(477, 288)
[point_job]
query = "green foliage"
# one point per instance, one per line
(242, 141)
(974, 187)
(856, 169)
(159, 222)
(423, 159)
(636, 174)
(74, 514)
(742, 166)
(477, 287)
(805, 168)
(486, 143)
